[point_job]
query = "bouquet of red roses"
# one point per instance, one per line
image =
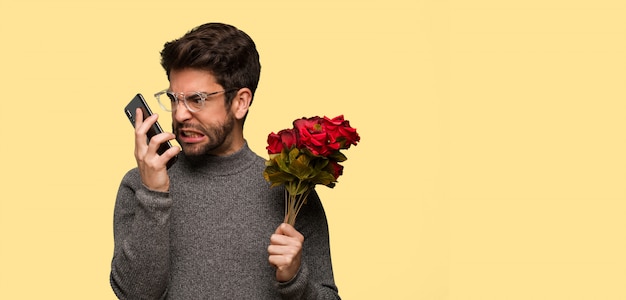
(306, 155)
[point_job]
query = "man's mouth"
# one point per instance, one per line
(190, 136)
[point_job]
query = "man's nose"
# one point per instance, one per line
(181, 112)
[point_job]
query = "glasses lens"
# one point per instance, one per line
(166, 100)
(195, 101)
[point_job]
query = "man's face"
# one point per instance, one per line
(205, 132)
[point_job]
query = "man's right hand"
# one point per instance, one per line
(152, 166)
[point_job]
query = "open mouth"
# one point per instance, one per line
(190, 136)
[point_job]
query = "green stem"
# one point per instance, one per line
(293, 203)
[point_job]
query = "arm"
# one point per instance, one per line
(311, 260)
(140, 266)
(141, 258)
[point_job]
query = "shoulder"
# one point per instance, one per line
(256, 163)
(259, 161)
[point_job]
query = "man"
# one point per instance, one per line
(210, 226)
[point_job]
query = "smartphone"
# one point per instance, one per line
(139, 102)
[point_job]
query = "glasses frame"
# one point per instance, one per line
(203, 97)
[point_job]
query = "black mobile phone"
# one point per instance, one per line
(139, 102)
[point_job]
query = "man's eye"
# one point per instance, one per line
(196, 99)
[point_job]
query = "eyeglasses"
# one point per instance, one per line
(194, 101)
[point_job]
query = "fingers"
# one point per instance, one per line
(289, 230)
(286, 268)
(145, 149)
(151, 165)
(142, 126)
(280, 244)
(138, 117)
(150, 155)
(170, 153)
(285, 251)
(286, 261)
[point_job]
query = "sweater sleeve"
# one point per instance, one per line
(141, 258)
(315, 278)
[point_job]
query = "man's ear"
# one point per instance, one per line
(241, 103)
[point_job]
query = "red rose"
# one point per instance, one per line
(339, 131)
(288, 137)
(337, 169)
(276, 142)
(312, 136)
(274, 145)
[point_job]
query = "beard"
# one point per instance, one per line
(217, 134)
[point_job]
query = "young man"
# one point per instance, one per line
(210, 226)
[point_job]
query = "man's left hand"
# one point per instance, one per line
(285, 251)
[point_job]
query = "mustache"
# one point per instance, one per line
(186, 126)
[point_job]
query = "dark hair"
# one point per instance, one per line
(225, 51)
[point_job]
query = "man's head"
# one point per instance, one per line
(221, 63)
(225, 51)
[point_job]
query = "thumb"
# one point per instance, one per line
(288, 230)
(281, 229)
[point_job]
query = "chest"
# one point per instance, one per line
(222, 214)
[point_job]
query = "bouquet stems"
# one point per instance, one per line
(293, 204)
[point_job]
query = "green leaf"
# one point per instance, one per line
(303, 158)
(293, 154)
(324, 178)
(280, 177)
(300, 168)
(320, 163)
(338, 156)
(282, 162)
(276, 176)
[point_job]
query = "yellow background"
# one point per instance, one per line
(493, 155)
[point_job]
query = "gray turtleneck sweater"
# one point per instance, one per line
(208, 237)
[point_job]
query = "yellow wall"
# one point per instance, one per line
(493, 155)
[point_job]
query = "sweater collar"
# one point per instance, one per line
(219, 165)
